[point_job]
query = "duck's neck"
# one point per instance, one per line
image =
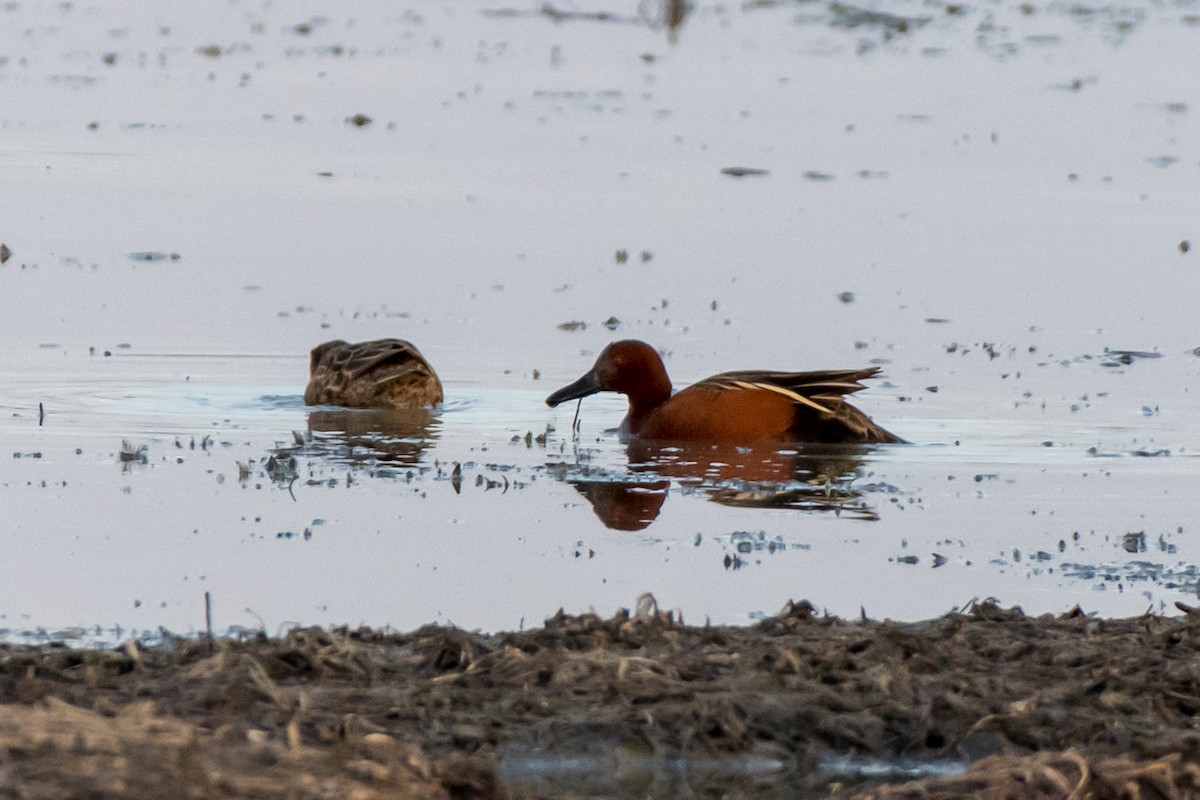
(647, 397)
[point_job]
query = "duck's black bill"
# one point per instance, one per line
(580, 388)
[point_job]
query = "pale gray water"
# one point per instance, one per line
(1003, 193)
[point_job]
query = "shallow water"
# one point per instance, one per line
(987, 201)
(618, 773)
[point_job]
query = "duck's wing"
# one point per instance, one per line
(823, 392)
(357, 361)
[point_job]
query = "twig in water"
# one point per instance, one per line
(41, 414)
(132, 453)
(575, 421)
(262, 626)
(208, 620)
(293, 494)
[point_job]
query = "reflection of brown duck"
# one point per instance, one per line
(384, 373)
(811, 463)
(372, 436)
(625, 505)
(668, 14)
(731, 408)
(814, 479)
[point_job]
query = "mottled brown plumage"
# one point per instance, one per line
(383, 373)
(730, 408)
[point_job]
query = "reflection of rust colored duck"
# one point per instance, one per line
(384, 373)
(715, 465)
(730, 408)
(625, 505)
(814, 478)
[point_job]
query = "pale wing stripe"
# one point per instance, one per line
(400, 373)
(361, 363)
(793, 396)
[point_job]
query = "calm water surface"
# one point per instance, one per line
(989, 202)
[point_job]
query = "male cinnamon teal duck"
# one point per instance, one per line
(383, 373)
(730, 408)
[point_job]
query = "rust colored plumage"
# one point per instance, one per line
(730, 408)
(383, 373)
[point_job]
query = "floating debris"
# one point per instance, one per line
(6, 254)
(558, 15)
(848, 16)
(282, 469)
(1162, 162)
(359, 120)
(1185, 577)
(1117, 358)
(153, 255)
(306, 28)
(1134, 542)
(742, 172)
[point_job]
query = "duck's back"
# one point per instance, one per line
(383, 373)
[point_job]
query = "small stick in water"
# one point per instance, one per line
(41, 414)
(208, 620)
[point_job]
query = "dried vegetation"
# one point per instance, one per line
(1043, 707)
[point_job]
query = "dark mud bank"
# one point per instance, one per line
(1028, 706)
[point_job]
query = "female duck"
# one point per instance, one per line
(730, 408)
(383, 373)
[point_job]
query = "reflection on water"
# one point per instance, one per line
(624, 505)
(366, 437)
(1045, 437)
(722, 463)
(669, 14)
(837, 499)
(666, 15)
(814, 479)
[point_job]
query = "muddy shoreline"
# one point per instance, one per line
(588, 706)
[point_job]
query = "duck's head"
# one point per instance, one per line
(630, 367)
(318, 353)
